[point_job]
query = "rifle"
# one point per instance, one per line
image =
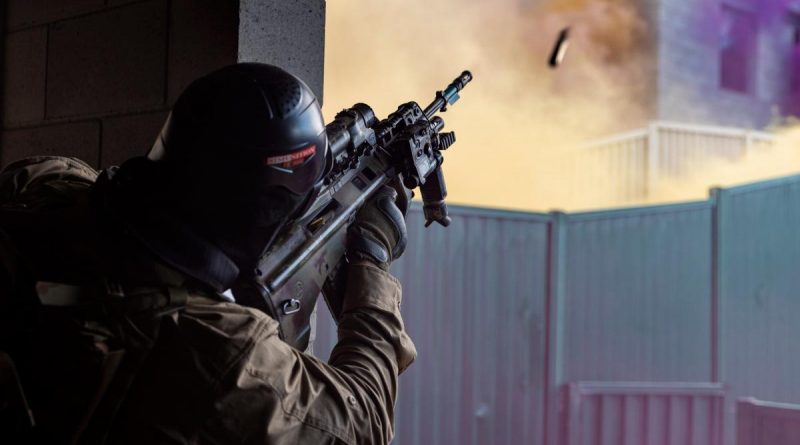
(364, 155)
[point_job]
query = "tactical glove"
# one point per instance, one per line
(378, 233)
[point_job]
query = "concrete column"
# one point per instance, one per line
(287, 34)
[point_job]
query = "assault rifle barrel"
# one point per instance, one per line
(449, 96)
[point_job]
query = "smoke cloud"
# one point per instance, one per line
(518, 118)
(520, 125)
(781, 158)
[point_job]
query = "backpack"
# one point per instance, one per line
(71, 341)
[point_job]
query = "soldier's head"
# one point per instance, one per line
(239, 158)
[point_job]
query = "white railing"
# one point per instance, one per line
(767, 423)
(630, 165)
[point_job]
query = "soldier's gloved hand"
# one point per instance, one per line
(378, 234)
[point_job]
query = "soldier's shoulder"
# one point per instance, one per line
(45, 181)
(220, 336)
(235, 320)
(44, 212)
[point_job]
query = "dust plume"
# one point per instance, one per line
(519, 122)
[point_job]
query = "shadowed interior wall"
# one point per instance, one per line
(96, 78)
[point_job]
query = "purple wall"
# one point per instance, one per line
(726, 62)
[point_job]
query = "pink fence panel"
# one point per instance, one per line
(767, 423)
(653, 413)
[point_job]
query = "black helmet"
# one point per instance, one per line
(248, 124)
(240, 156)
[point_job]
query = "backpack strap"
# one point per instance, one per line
(122, 371)
(15, 413)
(129, 308)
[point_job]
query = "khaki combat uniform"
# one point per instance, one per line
(218, 373)
(225, 376)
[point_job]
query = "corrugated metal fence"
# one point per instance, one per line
(765, 423)
(510, 309)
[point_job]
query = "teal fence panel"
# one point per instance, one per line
(474, 304)
(638, 294)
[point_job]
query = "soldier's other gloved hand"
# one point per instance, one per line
(378, 234)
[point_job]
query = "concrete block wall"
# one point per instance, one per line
(96, 78)
(290, 34)
(689, 66)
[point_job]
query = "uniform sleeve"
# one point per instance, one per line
(281, 395)
(373, 348)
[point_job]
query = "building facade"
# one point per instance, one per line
(726, 62)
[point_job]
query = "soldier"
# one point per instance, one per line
(116, 304)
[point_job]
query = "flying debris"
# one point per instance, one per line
(560, 48)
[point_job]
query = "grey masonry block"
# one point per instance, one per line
(112, 61)
(128, 136)
(78, 139)
(290, 34)
(61, 9)
(203, 37)
(23, 13)
(120, 2)
(24, 77)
